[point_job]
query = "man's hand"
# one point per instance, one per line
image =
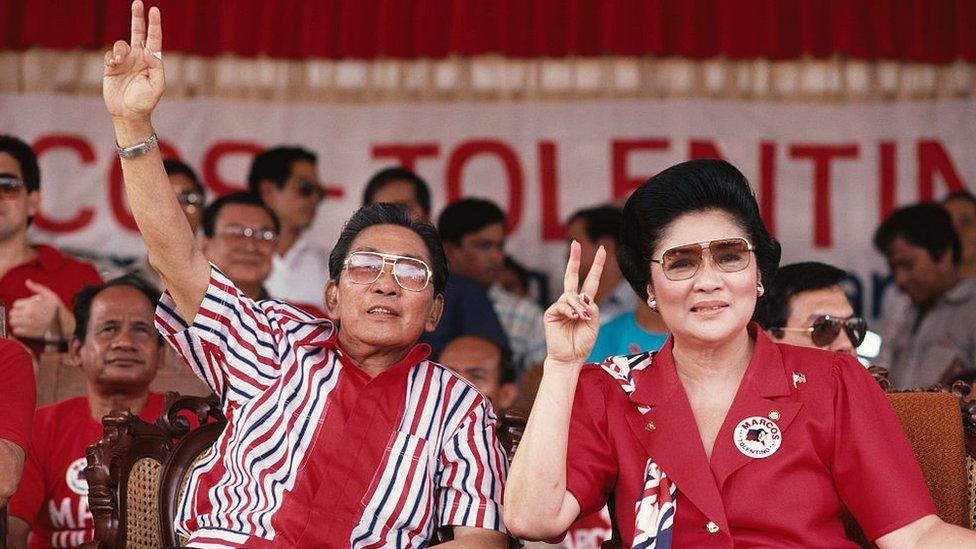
(37, 316)
(11, 469)
(133, 81)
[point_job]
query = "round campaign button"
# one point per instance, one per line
(74, 477)
(757, 437)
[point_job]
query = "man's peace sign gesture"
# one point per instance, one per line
(133, 80)
(573, 321)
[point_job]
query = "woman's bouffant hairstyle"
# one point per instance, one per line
(693, 186)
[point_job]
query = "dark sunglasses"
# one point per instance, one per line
(826, 328)
(308, 188)
(10, 186)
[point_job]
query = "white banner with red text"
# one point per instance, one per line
(825, 174)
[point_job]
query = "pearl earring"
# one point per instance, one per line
(652, 303)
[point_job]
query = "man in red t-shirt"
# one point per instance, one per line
(16, 413)
(119, 350)
(37, 283)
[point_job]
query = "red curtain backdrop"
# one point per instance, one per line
(930, 31)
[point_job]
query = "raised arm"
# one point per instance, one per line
(132, 85)
(537, 504)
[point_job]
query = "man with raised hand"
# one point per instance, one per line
(339, 434)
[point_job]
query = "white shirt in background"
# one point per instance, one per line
(300, 275)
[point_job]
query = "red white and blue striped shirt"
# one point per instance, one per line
(317, 453)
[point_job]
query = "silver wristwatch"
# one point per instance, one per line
(138, 149)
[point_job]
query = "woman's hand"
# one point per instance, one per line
(573, 321)
(133, 80)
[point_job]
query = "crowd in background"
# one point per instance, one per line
(491, 329)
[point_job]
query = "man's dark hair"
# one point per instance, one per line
(520, 271)
(81, 306)
(388, 175)
(212, 211)
(927, 226)
(468, 215)
(791, 280)
(275, 164)
(25, 157)
(389, 214)
(174, 166)
(600, 222)
(689, 187)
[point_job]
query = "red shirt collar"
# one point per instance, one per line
(416, 354)
(766, 371)
(50, 259)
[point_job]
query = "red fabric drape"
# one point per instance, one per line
(932, 31)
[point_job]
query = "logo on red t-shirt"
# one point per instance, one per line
(74, 477)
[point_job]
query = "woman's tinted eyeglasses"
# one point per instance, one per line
(826, 328)
(730, 255)
(366, 267)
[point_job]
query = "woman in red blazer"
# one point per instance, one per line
(723, 438)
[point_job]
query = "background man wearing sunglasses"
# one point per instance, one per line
(38, 282)
(805, 306)
(286, 179)
(189, 191)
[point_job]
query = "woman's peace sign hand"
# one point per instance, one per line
(573, 321)
(133, 80)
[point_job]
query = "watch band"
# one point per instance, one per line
(138, 149)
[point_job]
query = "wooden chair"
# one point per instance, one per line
(57, 380)
(138, 471)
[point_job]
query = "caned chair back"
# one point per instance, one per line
(138, 471)
(175, 475)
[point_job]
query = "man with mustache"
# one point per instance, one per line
(118, 348)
